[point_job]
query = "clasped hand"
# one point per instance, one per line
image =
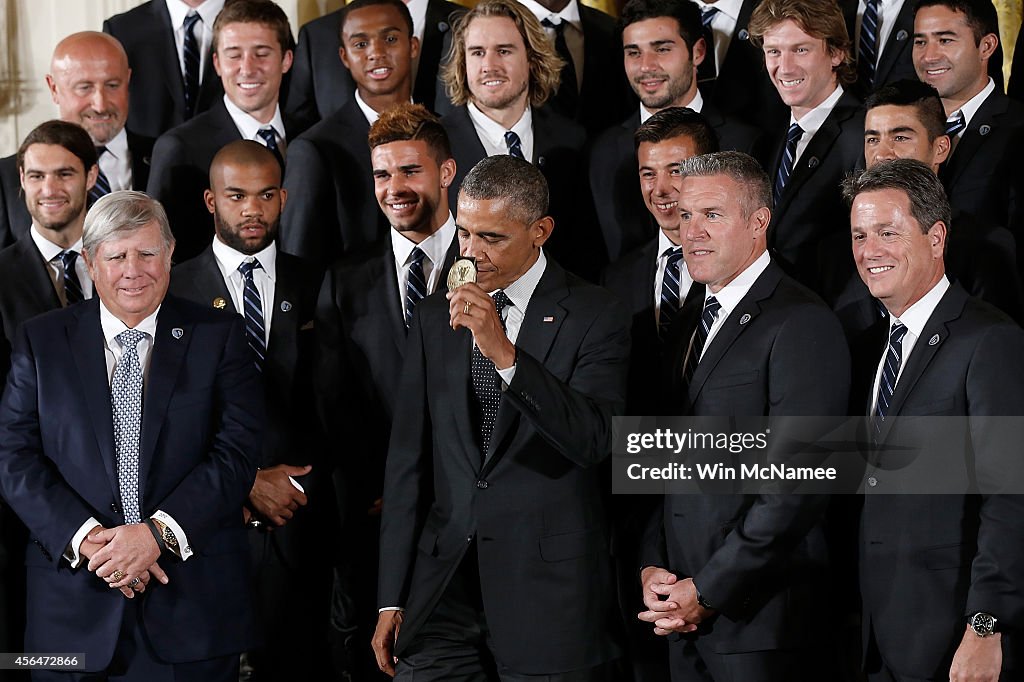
(130, 549)
(671, 603)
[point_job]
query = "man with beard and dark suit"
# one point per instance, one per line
(940, 575)
(807, 54)
(741, 577)
(366, 306)
(953, 44)
(319, 88)
(494, 537)
(500, 94)
(243, 272)
(251, 53)
(124, 496)
(88, 82)
(662, 50)
(332, 211)
(169, 49)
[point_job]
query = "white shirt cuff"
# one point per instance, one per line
(179, 534)
(507, 374)
(72, 553)
(391, 608)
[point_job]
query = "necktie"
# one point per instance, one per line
(568, 90)
(126, 404)
(485, 384)
(669, 305)
(867, 53)
(102, 186)
(255, 330)
(191, 50)
(700, 336)
(890, 371)
(416, 285)
(515, 146)
(72, 286)
(706, 70)
(788, 159)
(955, 123)
(269, 137)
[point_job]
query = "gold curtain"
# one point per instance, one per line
(1010, 12)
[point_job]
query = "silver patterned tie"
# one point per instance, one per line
(126, 403)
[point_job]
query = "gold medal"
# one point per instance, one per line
(219, 303)
(463, 272)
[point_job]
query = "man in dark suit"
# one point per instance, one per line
(277, 299)
(332, 211)
(174, 76)
(807, 55)
(741, 576)
(251, 53)
(500, 95)
(494, 537)
(365, 308)
(940, 574)
(662, 49)
(954, 43)
(318, 87)
(88, 82)
(100, 478)
(592, 86)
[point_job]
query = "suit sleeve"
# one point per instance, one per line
(575, 417)
(310, 227)
(809, 375)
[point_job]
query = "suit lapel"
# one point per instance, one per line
(386, 300)
(208, 280)
(285, 320)
(899, 39)
(458, 345)
(37, 285)
(436, 25)
(983, 123)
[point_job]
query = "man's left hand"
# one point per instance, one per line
(682, 619)
(130, 549)
(977, 659)
(469, 306)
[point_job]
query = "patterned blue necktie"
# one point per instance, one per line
(102, 186)
(867, 54)
(72, 285)
(191, 50)
(954, 124)
(269, 137)
(416, 285)
(788, 160)
(700, 336)
(706, 70)
(485, 384)
(515, 146)
(668, 306)
(890, 372)
(255, 330)
(126, 404)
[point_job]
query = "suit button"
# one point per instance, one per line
(113, 508)
(482, 484)
(872, 481)
(469, 539)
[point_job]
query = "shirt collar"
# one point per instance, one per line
(368, 111)
(730, 8)
(435, 247)
(418, 10)
(207, 11)
(521, 291)
(813, 119)
(247, 125)
(916, 316)
(494, 131)
(48, 249)
(118, 146)
(112, 326)
(569, 13)
(696, 104)
(971, 106)
(664, 243)
(733, 292)
(228, 259)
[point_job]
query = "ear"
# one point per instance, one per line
(541, 230)
(940, 149)
(52, 85)
(760, 220)
(344, 59)
(414, 48)
(700, 51)
(283, 193)
(286, 61)
(208, 198)
(447, 172)
(216, 64)
(92, 176)
(835, 55)
(937, 239)
(987, 46)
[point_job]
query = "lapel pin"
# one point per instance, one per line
(745, 318)
(219, 303)
(548, 318)
(286, 306)
(901, 35)
(744, 34)
(177, 332)
(813, 162)
(934, 340)
(985, 129)
(443, 27)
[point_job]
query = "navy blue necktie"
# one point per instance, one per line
(269, 137)
(568, 90)
(890, 372)
(72, 285)
(485, 384)
(102, 186)
(700, 336)
(515, 145)
(788, 160)
(416, 285)
(668, 307)
(867, 54)
(706, 70)
(191, 51)
(255, 329)
(954, 124)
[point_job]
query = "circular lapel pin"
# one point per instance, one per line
(934, 340)
(813, 162)
(745, 318)
(901, 35)
(219, 303)
(744, 34)
(985, 129)
(177, 332)
(286, 306)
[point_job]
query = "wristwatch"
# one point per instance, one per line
(983, 624)
(170, 539)
(702, 602)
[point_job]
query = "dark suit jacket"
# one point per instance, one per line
(927, 561)
(157, 93)
(181, 173)
(810, 228)
(896, 61)
(332, 209)
(983, 175)
(626, 224)
(201, 428)
(26, 290)
(558, 147)
(759, 559)
(535, 508)
(321, 84)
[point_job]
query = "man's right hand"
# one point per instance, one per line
(88, 548)
(274, 496)
(388, 625)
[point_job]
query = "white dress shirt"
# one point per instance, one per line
(248, 127)
(573, 32)
(695, 104)
(888, 10)
(435, 247)
(723, 26)
(116, 162)
(969, 109)
(813, 120)
(207, 11)
(265, 277)
(732, 293)
(492, 134)
(49, 252)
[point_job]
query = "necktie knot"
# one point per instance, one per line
(897, 332)
(67, 259)
(129, 339)
(955, 123)
(417, 256)
(268, 136)
(711, 308)
(190, 21)
(794, 134)
(101, 150)
(674, 254)
(247, 267)
(558, 26)
(501, 301)
(514, 144)
(708, 15)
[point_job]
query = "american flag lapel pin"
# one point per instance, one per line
(549, 318)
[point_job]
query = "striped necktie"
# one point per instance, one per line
(72, 285)
(700, 336)
(668, 307)
(416, 285)
(955, 123)
(788, 160)
(890, 372)
(867, 54)
(191, 50)
(269, 137)
(707, 70)
(515, 145)
(102, 186)
(255, 330)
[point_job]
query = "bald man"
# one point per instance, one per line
(88, 82)
(242, 272)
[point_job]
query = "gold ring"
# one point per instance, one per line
(465, 311)
(117, 576)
